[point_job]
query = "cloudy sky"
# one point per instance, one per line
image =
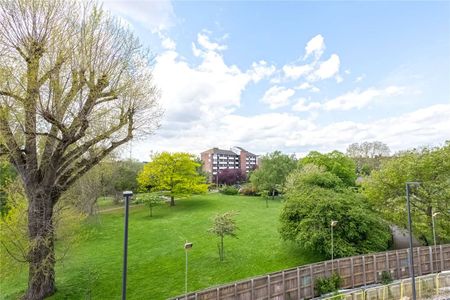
(295, 76)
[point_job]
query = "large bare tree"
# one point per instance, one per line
(75, 84)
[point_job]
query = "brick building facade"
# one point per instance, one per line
(215, 159)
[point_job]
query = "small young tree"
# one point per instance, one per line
(151, 200)
(223, 224)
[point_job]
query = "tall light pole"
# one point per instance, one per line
(187, 247)
(332, 224)
(127, 195)
(433, 217)
(411, 253)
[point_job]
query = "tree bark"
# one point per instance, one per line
(41, 256)
(172, 201)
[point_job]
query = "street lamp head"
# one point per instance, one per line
(436, 213)
(414, 183)
(333, 223)
(188, 246)
(127, 193)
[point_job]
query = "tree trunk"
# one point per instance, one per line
(172, 201)
(273, 194)
(41, 256)
(221, 248)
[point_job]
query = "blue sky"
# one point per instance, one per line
(295, 76)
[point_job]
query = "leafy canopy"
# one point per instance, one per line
(334, 162)
(314, 198)
(272, 172)
(385, 189)
(174, 173)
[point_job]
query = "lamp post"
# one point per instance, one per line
(411, 253)
(332, 224)
(433, 217)
(127, 195)
(187, 247)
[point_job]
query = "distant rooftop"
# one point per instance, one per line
(229, 152)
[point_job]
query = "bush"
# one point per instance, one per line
(229, 190)
(325, 285)
(249, 190)
(386, 277)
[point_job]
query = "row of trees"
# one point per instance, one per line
(321, 188)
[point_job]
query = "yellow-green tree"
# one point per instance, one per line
(173, 173)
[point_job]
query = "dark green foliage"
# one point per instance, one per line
(334, 162)
(386, 277)
(385, 190)
(229, 190)
(325, 285)
(310, 207)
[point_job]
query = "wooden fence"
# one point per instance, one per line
(298, 283)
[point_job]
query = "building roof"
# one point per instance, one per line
(220, 151)
(242, 149)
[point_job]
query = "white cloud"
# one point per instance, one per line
(277, 96)
(302, 106)
(166, 42)
(153, 15)
(359, 99)
(308, 86)
(360, 78)
(291, 133)
(315, 46)
(297, 71)
(326, 69)
(204, 41)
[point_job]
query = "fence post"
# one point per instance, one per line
(251, 291)
(387, 262)
(353, 276)
(442, 258)
(430, 250)
(375, 276)
(419, 261)
(398, 264)
(311, 274)
(218, 294)
(364, 268)
(268, 286)
(298, 283)
(283, 284)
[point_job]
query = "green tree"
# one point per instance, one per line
(385, 189)
(173, 173)
(315, 198)
(75, 85)
(272, 172)
(335, 162)
(223, 225)
(368, 156)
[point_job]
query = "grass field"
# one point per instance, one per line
(156, 258)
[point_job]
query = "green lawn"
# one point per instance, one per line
(156, 258)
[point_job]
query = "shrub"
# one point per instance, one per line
(325, 285)
(386, 277)
(248, 190)
(229, 190)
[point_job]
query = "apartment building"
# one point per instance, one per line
(216, 159)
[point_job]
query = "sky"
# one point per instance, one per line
(294, 76)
